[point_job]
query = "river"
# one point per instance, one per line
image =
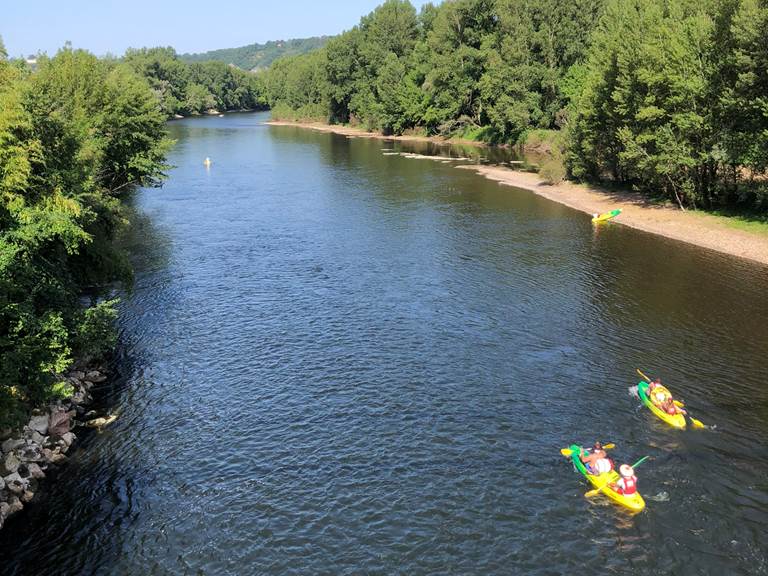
(339, 360)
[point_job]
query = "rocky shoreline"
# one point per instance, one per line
(29, 454)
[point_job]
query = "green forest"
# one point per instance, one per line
(667, 97)
(75, 136)
(194, 88)
(258, 56)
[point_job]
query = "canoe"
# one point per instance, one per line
(606, 215)
(634, 501)
(674, 420)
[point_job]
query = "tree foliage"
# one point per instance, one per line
(194, 88)
(668, 97)
(73, 136)
(457, 66)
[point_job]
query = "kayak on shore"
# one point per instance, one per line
(674, 420)
(633, 502)
(605, 216)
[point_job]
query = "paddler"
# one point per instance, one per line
(670, 407)
(596, 460)
(627, 484)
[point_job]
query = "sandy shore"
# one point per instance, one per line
(360, 133)
(696, 228)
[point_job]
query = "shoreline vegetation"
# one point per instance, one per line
(77, 133)
(692, 227)
(668, 99)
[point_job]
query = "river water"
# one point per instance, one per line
(338, 360)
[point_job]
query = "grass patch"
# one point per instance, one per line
(754, 222)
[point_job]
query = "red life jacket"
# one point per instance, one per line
(629, 485)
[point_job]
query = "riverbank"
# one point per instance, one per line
(698, 228)
(27, 455)
(361, 133)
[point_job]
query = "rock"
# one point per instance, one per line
(27, 496)
(40, 424)
(87, 384)
(9, 464)
(101, 422)
(35, 471)
(14, 506)
(30, 453)
(47, 455)
(68, 438)
(59, 422)
(15, 483)
(23, 471)
(58, 458)
(34, 436)
(11, 445)
(2, 484)
(81, 397)
(95, 376)
(77, 375)
(4, 508)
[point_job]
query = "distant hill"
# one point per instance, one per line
(258, 56)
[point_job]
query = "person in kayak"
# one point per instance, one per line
(596, 460)
(627, 484)
(670, 407)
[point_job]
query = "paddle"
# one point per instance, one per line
(696, 423)
(567, 451)
(597, 491)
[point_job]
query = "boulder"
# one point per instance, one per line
(77, 375)
(68, 438)
(47, 455)
(95, 376)
(4, 508)
(101, 422)
(9, 464)
(81, 397)
(27, 496)
(30, 453)
(11, 444)
(34, 436)
(15, 483)
(14, 505)
(59, 422)
(58, 458)
(35, 471)
(39, 424)
(23, 471)
(2, 484)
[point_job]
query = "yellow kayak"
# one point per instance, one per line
(606, 215)
(674, 420)
(634, 501)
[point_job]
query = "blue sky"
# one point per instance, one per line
(103, 26)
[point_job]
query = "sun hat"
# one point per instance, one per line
(626, 470)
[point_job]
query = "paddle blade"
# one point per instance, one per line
(697, 423)
(610, 446)
(592, 493)
(565, 452)
(643, 376)
(678, 403)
